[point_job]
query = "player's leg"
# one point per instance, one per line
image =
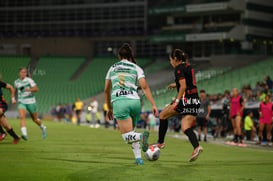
(199, 129)
(35, 119)
(260, 134)
(166, 113)
(238, 128)
(123, 110)
(235, 138)
(22, 115)
(187, 123)
(205, 129)
(5, 124)
(268, 132)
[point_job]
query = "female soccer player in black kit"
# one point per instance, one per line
(186, 103)
(3, 108)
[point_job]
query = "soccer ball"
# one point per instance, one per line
(152, 153)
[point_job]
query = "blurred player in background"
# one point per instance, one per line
(186, 103)
(123, 101)
(25, 88)
(202, 118)
(78, 107)
(94, 105)
(3, 109)
(236, 112)
(105, 110)
(266, 114)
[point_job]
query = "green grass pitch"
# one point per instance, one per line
(80, 153)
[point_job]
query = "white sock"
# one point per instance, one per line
(24, 131)
(131, 137)
(136, 149)
(42, 127)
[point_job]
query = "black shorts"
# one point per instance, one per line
(203, 122)
(3, 106)
(78, 112)
(188, 106)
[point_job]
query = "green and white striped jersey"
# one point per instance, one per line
(23, 96)
(124, 76)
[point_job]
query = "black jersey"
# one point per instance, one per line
(2, 85)
(185, 71)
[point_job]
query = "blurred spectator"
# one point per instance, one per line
(202, 117)
(249, 127)
(94, 105)
(226, 125)
(269, 83)
(53, 112)
(68, 112)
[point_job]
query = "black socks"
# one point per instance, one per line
(192, 137)
(13, 134)
(1, 130)
(163, 127)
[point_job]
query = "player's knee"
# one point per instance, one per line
(162, 116)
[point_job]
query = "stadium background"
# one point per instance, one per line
(68, 45)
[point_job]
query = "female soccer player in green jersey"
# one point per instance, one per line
(25, 88)
(123, 101)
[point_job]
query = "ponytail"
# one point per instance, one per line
(180, 55)
(126, 52)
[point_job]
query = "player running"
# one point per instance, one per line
(186, 103)
(266, 114)
(3, 109)
(25, 88)
(123, 101)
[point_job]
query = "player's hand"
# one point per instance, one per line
(172, 86)
(261, 115)
(155, 111)
(207, 117)
(109, 115)
(174, 104)
(13, 101)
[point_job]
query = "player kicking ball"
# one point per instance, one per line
(186, 103)
(123, 101)
(25, 88)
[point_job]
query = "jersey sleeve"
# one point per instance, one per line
(179, 74)
(140, 73)
(108, 74)
(31, 82)
(3, 84)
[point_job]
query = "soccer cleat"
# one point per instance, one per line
(44, 133)
(3, 136)
(24, 137)
(159, 145)
(15, 141)
(144, 141)
(139, 161)
(197, 151)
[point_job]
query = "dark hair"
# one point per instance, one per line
(248, 112)
(126, 52)
(202, 91)
(180, 55)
